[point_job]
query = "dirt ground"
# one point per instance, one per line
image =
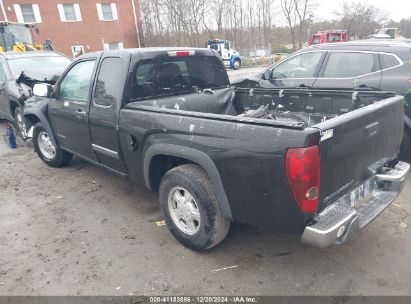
(82, 231)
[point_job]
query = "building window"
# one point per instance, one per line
(69, 12)
(27, 13)
(77, 50)
(113, 46)
(107, 11)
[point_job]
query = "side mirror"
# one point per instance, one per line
(43, 90)
(266, 75)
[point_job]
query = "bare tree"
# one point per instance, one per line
(218, 9)
(248, 23)
(298, 14)
(304, 13)
(360, 20)
(288, 7)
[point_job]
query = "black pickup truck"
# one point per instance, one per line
(319, 163)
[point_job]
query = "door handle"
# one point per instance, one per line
(81, 112)
(363, 87)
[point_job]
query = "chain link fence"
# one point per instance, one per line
(255, 56)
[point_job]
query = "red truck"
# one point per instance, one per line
(329, 37)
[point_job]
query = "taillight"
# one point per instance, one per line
(409, 81)
(303, 172)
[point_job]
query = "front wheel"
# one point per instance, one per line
(236, 64)
(47, 151)
(191, 209)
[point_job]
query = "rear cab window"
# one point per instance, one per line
(167, 76)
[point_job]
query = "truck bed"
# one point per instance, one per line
(293, 108)
(357, 134)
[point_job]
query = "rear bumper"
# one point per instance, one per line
(339, 221)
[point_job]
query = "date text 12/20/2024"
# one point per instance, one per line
(205, 299)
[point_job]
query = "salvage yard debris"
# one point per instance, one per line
(161, 223)
(225, 268)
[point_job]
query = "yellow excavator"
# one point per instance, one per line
(18, 37)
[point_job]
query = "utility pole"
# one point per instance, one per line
(3, 11)
(136, 23)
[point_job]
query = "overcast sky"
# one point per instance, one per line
(397, 9)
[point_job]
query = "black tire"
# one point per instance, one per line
(22, 124)
(60, 158)
(237, 64)
(405, 149)
(213, 227)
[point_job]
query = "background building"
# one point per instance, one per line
(79, 26)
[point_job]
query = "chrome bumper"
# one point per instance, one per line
(339, 221)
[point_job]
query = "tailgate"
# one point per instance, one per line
(356, 144)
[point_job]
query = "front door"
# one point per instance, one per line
(69, 112)
(298, 71)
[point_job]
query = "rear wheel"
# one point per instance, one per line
(191, 209)
(47, 151)
(23, 125)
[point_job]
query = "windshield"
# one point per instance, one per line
(214, 46)
(334, 37)
(14, 34)
(39, 66)
(316, 39)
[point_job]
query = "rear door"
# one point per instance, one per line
(395, 72)
(350, 70)
(354, 143)
(298, 71)
(69, 111)
(104, 110)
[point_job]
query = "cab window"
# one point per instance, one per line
(180, 75)
(301, 66)
(77, 82)
(345, 65)
(107, 91)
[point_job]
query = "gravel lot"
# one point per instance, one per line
(82, 231)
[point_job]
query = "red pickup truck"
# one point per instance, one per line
(329, 37)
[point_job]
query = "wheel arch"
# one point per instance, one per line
(155, 166)
(233, 58)
(34, 115)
